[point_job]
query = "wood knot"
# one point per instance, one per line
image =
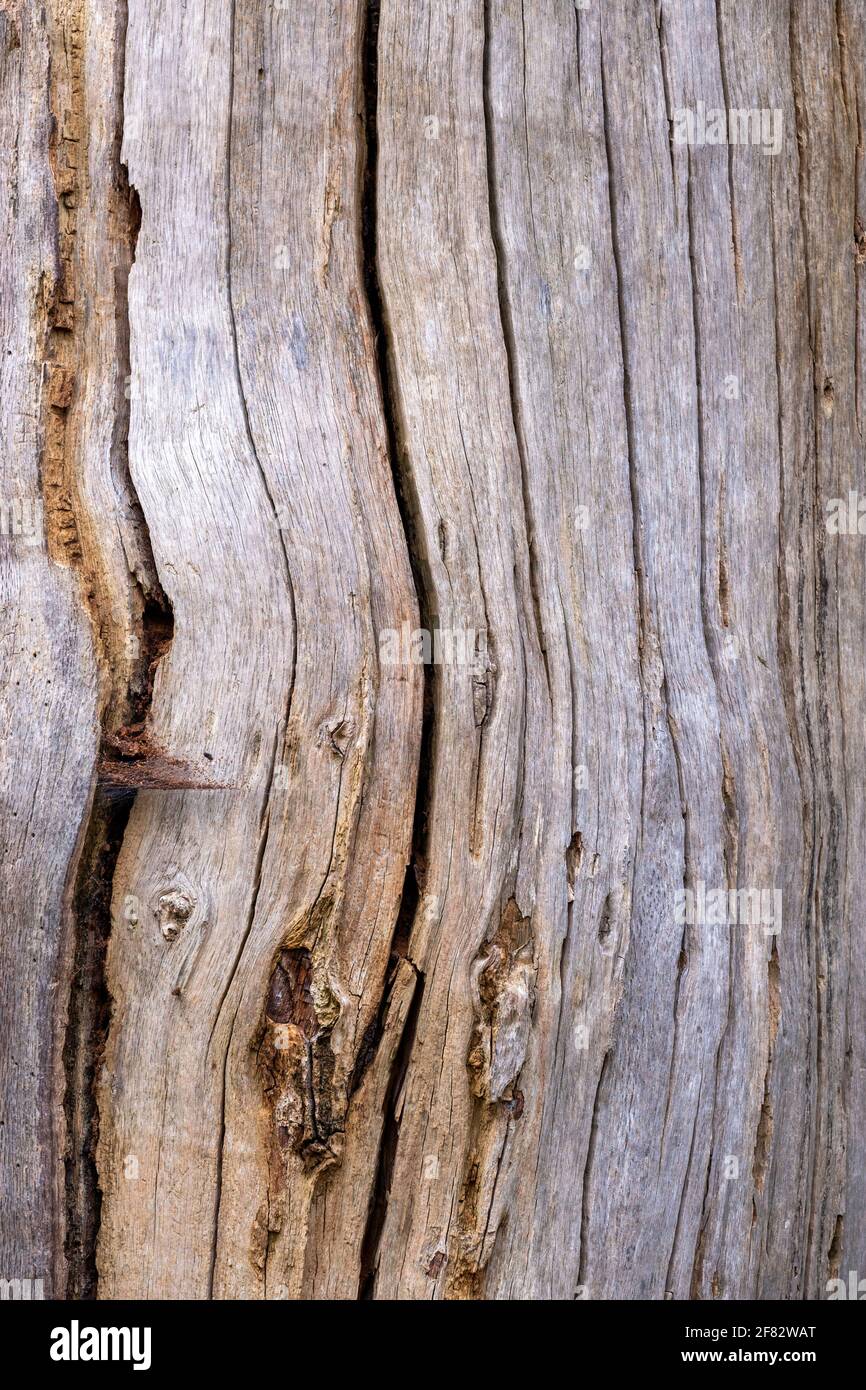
(173, 911)
(504, 997)
(828, 397)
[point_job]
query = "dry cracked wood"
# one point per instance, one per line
(327, 972)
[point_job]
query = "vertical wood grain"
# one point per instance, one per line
(332, 331)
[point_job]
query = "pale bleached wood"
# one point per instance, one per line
(294, 1203)
(258, 449)
(713, 608)
(617, 383)
(187, 879)
(488, 881)
(721, 1043)
(558, 276)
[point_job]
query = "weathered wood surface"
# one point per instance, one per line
(47, 666)
(327, 973)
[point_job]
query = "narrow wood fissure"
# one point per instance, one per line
(387, 1152)
(642, 614)
(280, 732)
(407, 505)
(507, 324)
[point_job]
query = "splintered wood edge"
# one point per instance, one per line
(151, 772)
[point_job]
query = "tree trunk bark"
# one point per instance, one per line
(433, 589)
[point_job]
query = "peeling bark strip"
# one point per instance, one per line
(327, 971)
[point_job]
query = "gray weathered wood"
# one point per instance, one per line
(433, 321)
